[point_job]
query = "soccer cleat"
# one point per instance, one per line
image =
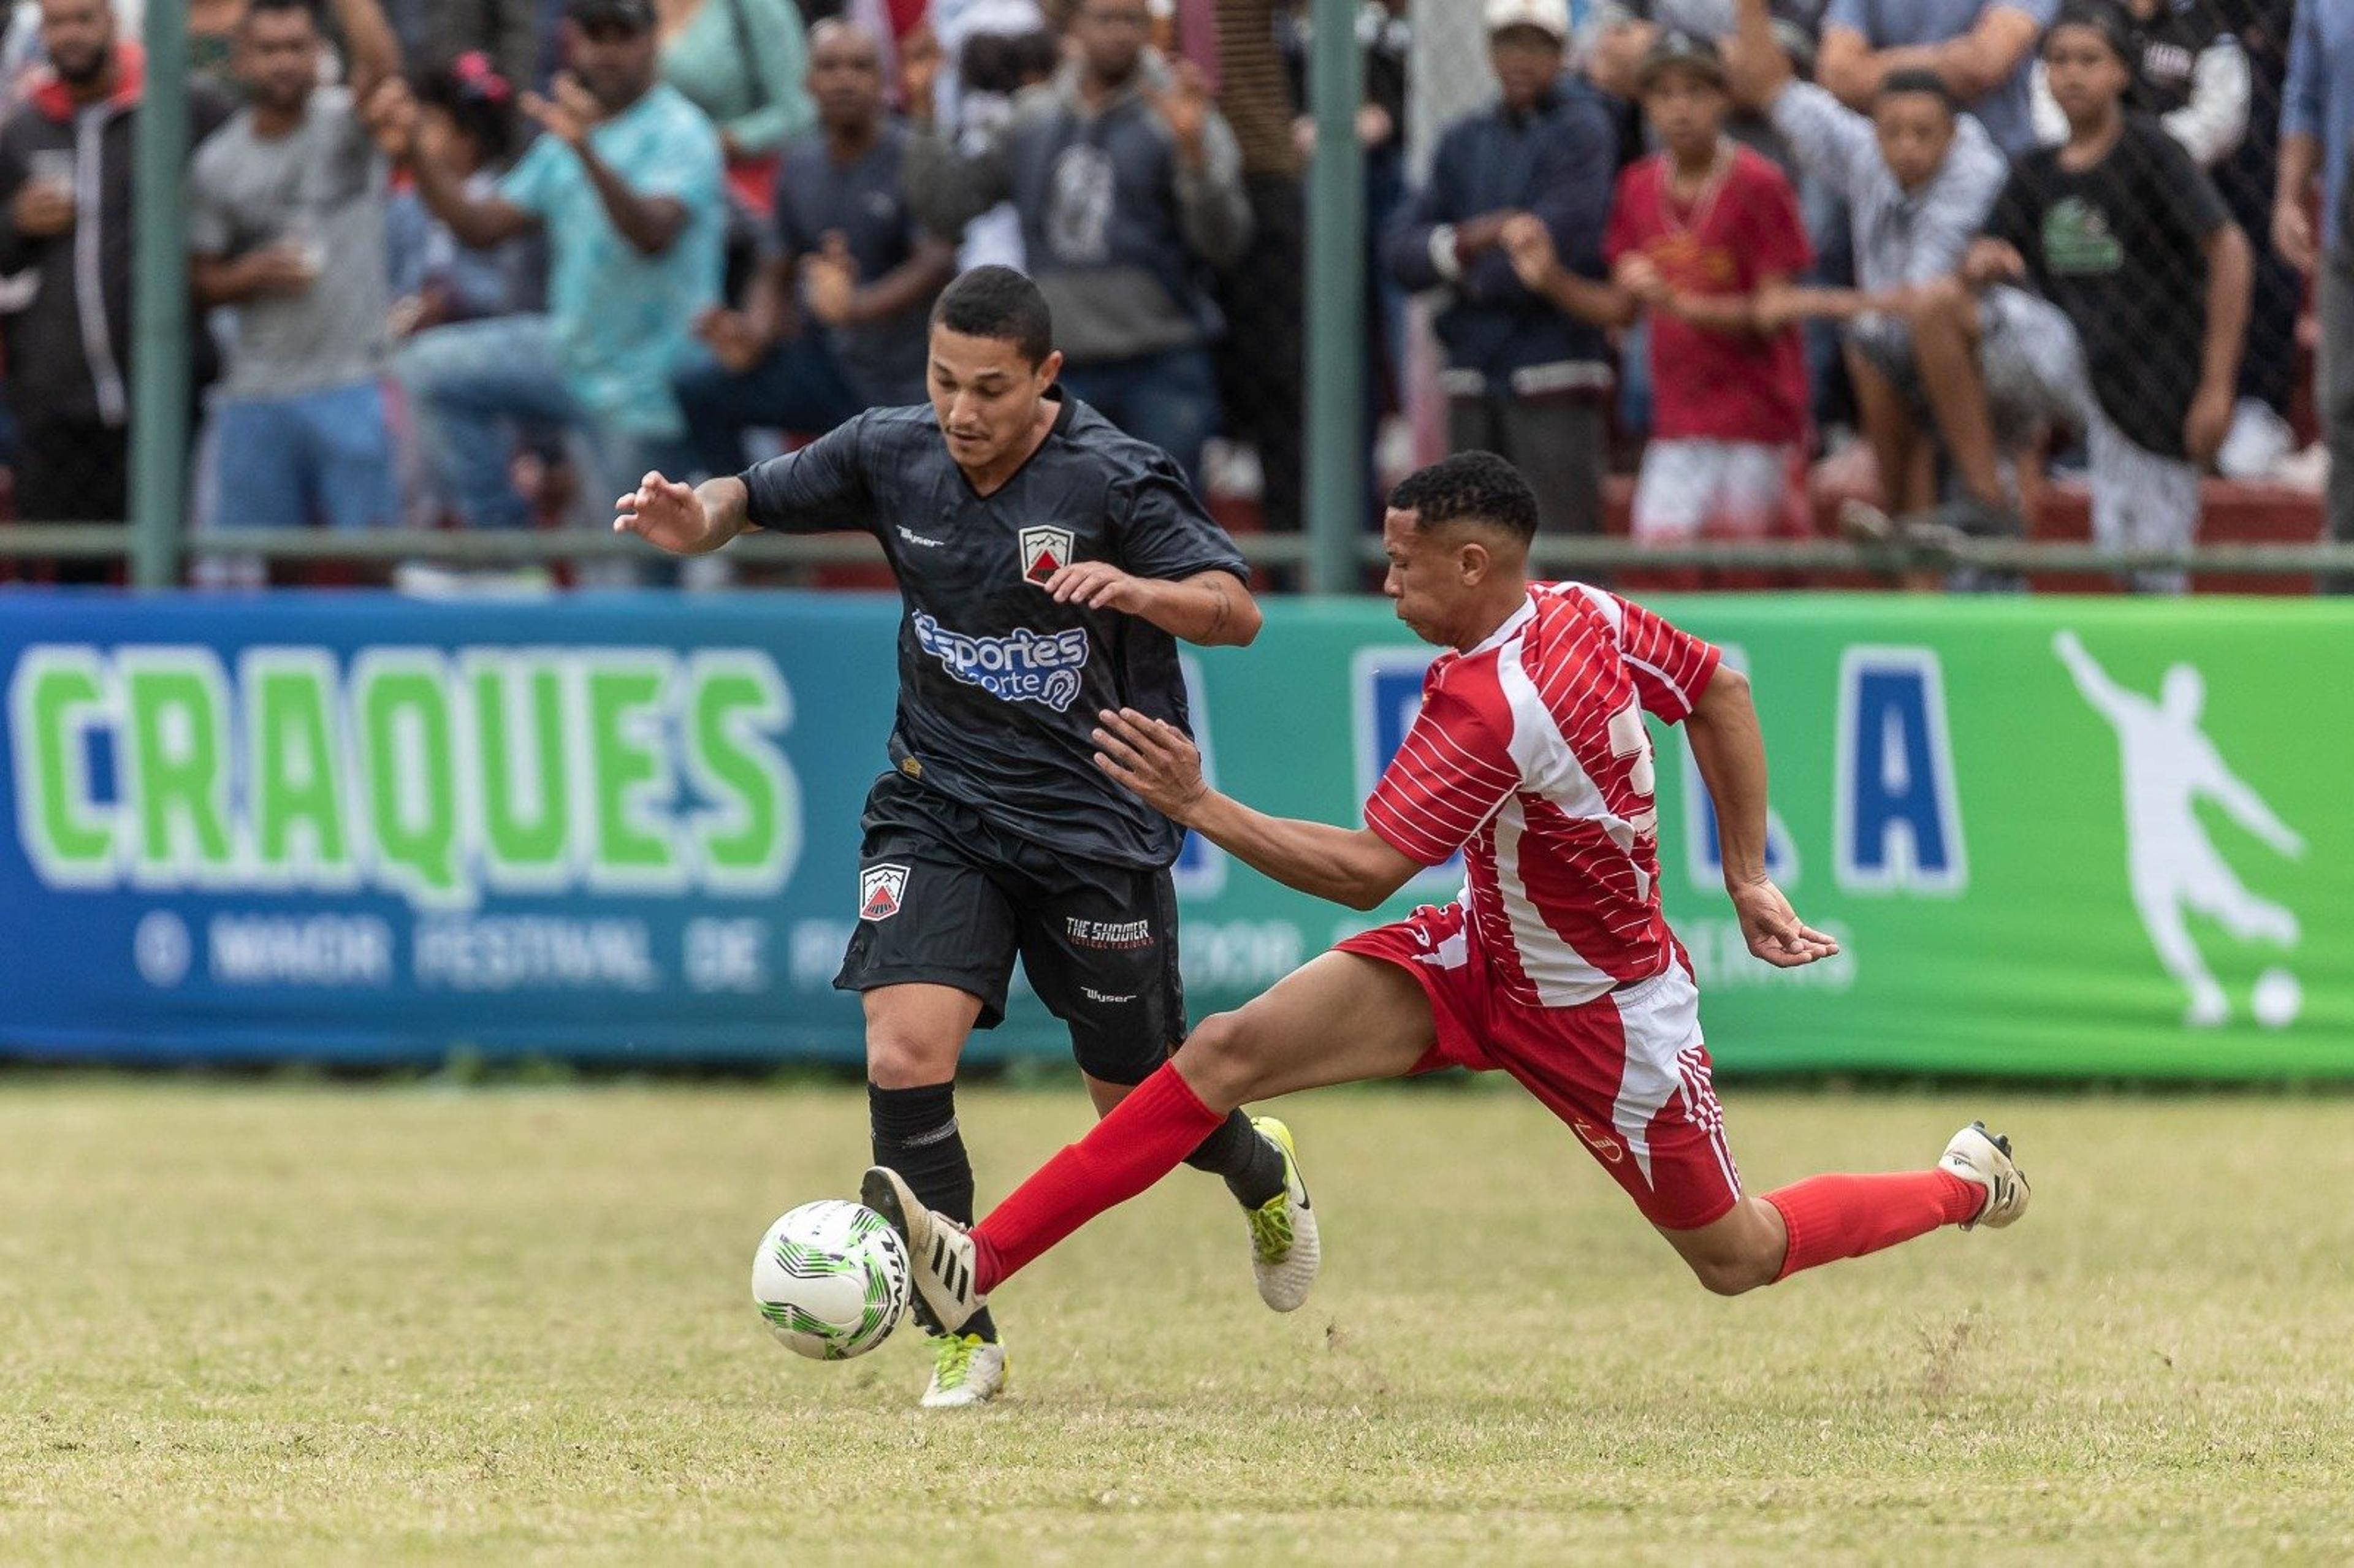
(1977, 1155)
(940, 1255)
(1285, 1252)
(966, 1369)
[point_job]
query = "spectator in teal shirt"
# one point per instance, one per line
(627, 186)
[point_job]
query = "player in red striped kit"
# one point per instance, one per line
(1555, 965)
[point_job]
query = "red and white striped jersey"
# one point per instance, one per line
(1530, 756)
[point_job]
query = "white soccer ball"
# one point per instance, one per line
(831, 1279)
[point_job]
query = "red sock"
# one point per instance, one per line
(1147, 1136)
(1832, 1217)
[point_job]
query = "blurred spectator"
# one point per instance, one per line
(2189, 73)
(2262, 438)
(2318, 138)
(1128, 185)
(2125, 235)
(67, 217)
(434, 33)
(844, 239)
(1698, 231)
(1918, 178)
(1981, 49)
(466, 122)
(286, 226)
(1261, 365)
(1523, 378)
(974, 101)
(745, 63)
(1624, 31)
(626, 184)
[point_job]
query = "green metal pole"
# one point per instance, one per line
(1335, 287)
(159, 354)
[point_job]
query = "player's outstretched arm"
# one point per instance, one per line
(1159, 763)
(682, 519)
(1730, 751)
(1209, 609)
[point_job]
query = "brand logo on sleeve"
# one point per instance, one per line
(1024, 666)
(1044, 551)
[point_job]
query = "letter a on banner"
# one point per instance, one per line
(1897, 818)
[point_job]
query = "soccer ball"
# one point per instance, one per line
(831, 1279)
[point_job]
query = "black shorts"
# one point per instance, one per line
(945, 897)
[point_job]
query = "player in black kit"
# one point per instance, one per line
(1048, 565)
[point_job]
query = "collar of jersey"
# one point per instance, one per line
(1506, 633)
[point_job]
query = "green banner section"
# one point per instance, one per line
(2053, 836)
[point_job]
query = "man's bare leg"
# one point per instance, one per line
(1945, 347)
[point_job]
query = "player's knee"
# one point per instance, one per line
(904, 1059)
(1732, 1275)
(1220, 1061)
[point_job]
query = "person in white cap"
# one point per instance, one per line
(1522, 378)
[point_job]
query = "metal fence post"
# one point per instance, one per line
(159, 392)
(1336, 304)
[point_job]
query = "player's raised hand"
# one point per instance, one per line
(1098, 585)
(667, 513)
(1152, 758)
(1773, 929)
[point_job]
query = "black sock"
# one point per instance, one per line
(1252, 1166)
(915, 1133)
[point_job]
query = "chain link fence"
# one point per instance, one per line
(382, 372)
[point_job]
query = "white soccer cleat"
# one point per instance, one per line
(1285, 1252)
(1977, 1155)
(966, 1370)
(940, 1256)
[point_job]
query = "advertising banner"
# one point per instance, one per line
(2054, 836)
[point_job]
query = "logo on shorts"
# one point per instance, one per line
(1107, 933)
(1092, 994)
(1609, 1148)
(1045, 552)
(880, 889)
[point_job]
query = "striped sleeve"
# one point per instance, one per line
(1670, 666)
(1445, 782)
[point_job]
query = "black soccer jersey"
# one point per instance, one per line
(999, 685)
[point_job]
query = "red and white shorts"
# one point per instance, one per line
(1626, 1070)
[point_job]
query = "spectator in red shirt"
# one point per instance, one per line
(1698, 231)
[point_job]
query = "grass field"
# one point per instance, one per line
(243, 1321)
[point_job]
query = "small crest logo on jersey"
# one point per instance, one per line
(1045, 552)
(880, 888)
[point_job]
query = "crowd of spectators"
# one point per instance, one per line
(481, 263)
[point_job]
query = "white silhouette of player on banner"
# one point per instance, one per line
(2169, 765)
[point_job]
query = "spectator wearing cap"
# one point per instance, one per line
(68, 214)
(1918, 178)
(2318, 139)
(626, 186)
(465, 121)
(2126, 237)
(837, 319)
(1623, 32)
(1700, 230)
(286, 229)
(1524, 377)
(1981, 49)
(1128, 186)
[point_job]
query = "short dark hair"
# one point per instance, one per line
(2106, 19)
(1470, 487)
(1918, 84)
(998, 302)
